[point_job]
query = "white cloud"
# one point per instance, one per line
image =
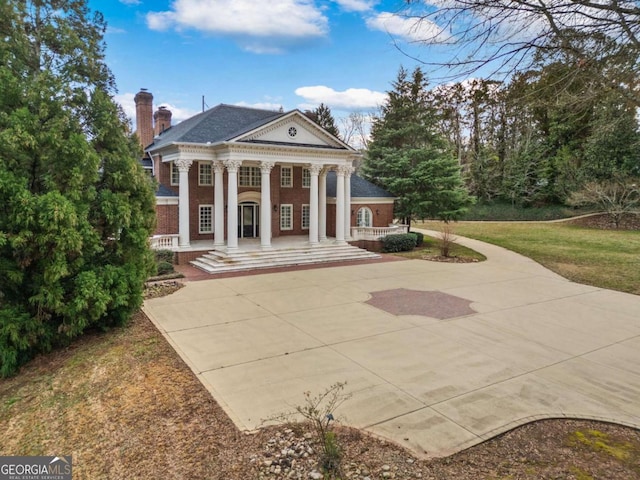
(127, 103)
(356, 5)
(350, 99)
(114, 30)
(262, 105)
(261, 27)
(126, 100)
(131, 2)
(178, 114)
(408, 28)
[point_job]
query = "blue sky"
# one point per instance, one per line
(263, 53)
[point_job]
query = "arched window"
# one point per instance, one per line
(365, 217)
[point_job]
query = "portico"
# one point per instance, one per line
(230, 200)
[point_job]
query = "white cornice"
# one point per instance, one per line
(366, 200)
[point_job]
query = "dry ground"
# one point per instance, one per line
(125, 406)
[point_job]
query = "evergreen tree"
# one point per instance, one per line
(323, 117)
(408, 157)
(77, 207)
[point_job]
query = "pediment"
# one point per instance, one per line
(293, 129)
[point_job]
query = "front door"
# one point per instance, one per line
(248, 220)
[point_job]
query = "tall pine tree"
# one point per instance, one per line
(408, 157)
(322, 116)
(77, 207)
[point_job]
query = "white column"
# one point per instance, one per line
(218, 201)
(322, 214)
(313, 205)
(340, 205)
(347, 202)
(232, 203)
(183, 207)
(265, 204)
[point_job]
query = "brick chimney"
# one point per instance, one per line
(144, 117)
(162, 120)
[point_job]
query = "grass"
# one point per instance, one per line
(602, 258)
(430, 248)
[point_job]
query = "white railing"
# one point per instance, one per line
(375, 233)
(164, 242)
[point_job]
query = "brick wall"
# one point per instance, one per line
(167, 219)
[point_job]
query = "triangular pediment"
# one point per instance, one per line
(292, 129)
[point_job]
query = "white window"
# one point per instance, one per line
(286, 177)
(306, 215)
(249, 177)
(306, 178)
(205, 221)
(365, 217)
(175, 174)
(286, 217)
(205, 175)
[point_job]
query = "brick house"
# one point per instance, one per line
(278, 172)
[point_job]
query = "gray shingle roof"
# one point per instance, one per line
(359, 187)
(163, 191)
(217, 124)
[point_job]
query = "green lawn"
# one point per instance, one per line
(603, 258)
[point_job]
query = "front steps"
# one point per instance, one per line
(224, 262)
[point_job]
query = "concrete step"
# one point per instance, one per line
(222, 262)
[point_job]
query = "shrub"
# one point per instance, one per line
(399, 243)
(419, 238)
(164, 268)
(164, 256)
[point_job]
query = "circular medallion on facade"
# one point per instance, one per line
(293, 131)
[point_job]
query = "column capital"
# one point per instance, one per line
(218, 166)
(345, 170)
(233, 165)
(315, 169)
(265, 167)
(183, 164)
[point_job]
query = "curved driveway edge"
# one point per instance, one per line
(537, 346)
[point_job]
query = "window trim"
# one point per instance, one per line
(200, 182)
(308, 216)
(174, 171)
(254, 175)
(289, 207)
(358, 217)
(211, 209)
(306, 177)
(290, 178)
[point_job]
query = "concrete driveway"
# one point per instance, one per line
(485, 346)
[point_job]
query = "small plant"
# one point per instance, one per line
(445, 240)
(318, 411)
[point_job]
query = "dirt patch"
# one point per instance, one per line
(125, 406)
